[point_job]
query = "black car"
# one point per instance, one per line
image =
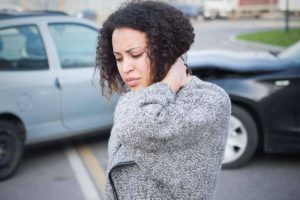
(265, 92)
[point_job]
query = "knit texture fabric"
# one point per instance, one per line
(167, 145)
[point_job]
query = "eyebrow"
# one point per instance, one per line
(128, 51)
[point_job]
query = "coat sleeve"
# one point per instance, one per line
(157, 119)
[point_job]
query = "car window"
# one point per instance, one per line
(75, 43)
(22, 48)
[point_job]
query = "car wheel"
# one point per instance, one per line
(242, 138)
(11, 148)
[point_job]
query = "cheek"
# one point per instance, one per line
(144, 62)
(119, 69)
(148, 68)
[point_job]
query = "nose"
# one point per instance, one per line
(127, 66)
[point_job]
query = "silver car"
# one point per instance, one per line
(47, 90)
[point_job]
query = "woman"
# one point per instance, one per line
(170, 128)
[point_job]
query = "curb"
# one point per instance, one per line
(262, 46)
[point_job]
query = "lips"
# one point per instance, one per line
(131, 82)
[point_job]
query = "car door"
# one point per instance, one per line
(83, 106)
(279, 110)
(27, 83)
(298, 101)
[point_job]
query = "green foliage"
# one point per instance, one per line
(274, 37)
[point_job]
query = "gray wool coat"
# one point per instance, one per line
(167, 145)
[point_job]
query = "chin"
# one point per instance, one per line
(137, 88)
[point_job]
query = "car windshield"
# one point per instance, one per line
(291, 54)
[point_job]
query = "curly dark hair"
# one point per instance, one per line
(169, 35)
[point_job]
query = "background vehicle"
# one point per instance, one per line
(189, 11)
(47, 64)
(238, 8)
(88, 14)
(265, 94)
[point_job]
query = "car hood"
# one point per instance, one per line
(235, 61)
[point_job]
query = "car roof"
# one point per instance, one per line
(9, 14)
(14, 17)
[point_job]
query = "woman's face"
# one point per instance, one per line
(130, 50)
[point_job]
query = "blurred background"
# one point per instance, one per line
(52, 111)
(98, 10)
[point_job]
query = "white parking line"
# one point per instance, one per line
(86, 184)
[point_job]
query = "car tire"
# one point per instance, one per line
(11, 148)
(242, 138)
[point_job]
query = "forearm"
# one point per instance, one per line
(145, 118)
(156, 117)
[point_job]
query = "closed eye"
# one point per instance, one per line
(119, 59)
(136, 56)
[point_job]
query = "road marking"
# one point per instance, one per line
(86, 184)
(93, 166)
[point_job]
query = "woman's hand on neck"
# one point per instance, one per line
(177, 76)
